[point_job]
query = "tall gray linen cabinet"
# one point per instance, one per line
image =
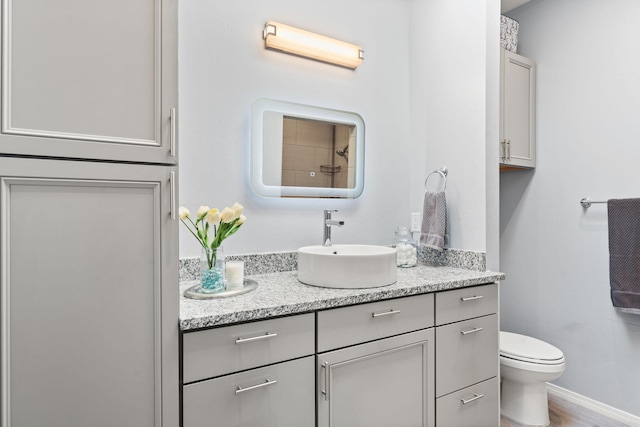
(88, 227)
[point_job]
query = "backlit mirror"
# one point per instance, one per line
(304, 151)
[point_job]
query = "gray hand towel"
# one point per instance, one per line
(434, 221)
(624, 253)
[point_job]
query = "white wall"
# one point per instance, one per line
(492, 136)
(449, 75)
(224, 68)
(554, 253)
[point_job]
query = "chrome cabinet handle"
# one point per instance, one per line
(172, 117)
(253, 387)
(325, 392)
(386, 313)
(470, 331)
(509, 149)
(172, 195)
(475, 297)
(475, 397)
(256, 338)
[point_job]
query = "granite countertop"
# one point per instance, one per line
(281, 294)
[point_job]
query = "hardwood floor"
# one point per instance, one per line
(567, 414)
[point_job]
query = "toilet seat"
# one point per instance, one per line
(530, 350)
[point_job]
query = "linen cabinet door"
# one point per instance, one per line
(383, 383)
(88, 300)
(90, 79)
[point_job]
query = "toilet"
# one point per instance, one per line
(526, 364)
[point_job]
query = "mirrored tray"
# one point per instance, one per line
(196, 292)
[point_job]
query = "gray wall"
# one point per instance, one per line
(410, 53)
(554, 253)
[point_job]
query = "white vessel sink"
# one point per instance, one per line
(347, 266)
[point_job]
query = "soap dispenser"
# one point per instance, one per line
(406, 247)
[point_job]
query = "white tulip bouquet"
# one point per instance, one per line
(223, 223)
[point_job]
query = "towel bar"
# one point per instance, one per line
(443, 172)
(586, 202)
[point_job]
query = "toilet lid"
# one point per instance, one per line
(522, 347)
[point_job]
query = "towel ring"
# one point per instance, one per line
(443, 172)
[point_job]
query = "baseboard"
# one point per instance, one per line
(594, 405)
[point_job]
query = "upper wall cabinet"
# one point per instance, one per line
(517, 111)
(90, 79)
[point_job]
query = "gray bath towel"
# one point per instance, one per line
(434, 221)
(624, 253)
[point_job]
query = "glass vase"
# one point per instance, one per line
(406, 247)
(212, 269)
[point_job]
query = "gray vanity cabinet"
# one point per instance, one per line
(424, 360)
(386, 381)
(467, 357)
(517, 111)
(88, 300)
(90, 79)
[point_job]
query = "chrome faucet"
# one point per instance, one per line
(328, 223)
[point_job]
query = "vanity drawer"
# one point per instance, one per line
(466, 303)
(342, 327)
(466, 353)
(470, 407)
(281, 395)
(214, 352)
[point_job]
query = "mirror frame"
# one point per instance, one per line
(263, 105)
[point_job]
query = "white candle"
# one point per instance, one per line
(234, 274)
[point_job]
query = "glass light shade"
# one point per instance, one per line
(299, 42)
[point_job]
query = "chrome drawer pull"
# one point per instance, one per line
(471, 331)
(386, 313)
(253, 387)
(473, 298)
(475, 397)
(258, 338)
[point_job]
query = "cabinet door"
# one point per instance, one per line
(517, 111)
(379, 384)
(89, 78)
(88, 302)
(279, 395)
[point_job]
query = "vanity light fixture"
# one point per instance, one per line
(288, 39)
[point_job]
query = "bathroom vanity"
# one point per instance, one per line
(423, 351)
